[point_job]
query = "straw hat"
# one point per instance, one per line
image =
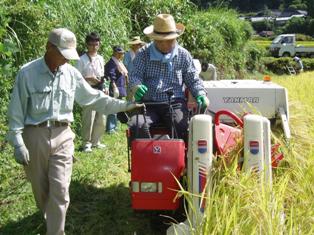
(136, 40)
(164, 28)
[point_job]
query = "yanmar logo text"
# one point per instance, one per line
(239, 99)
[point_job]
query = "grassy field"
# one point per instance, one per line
(100, 200)
(240, 205)
(266, 44)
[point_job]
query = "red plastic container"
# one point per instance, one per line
(154, 166)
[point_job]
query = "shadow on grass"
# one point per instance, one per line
(92, 210)
(33, 224)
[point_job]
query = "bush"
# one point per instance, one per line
(109, 18)
(299, 26)
(30, 22)
(255, 54)
(303, 37)
(278, 65)
(263, 25)
(31, 27)
(143, 12)
(8, 47)
(219, 37)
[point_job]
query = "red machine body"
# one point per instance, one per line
(226, 136)
(155, 166)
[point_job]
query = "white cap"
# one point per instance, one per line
(65, 41)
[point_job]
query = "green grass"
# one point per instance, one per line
(266, 44)
(100, 199)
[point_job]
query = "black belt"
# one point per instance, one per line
(51, 123)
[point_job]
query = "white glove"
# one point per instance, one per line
(133, 105)
(21, 155)
(115, 92)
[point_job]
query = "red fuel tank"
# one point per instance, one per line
(154, 166)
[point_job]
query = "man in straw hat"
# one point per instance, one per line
(135, 44)
(40, 114)
(164, 68)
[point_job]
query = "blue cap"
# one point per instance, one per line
(118, 49)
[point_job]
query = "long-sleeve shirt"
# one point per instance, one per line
(40, 95)
(128, 60)
(113, 73)
(160, 77)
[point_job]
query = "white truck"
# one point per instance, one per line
(285, 45)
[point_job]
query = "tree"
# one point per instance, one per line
(310, 7)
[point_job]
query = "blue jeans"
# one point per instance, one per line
(111, 122)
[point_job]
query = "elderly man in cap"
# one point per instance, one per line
(40, 114)
(135, 44)
(162, 69)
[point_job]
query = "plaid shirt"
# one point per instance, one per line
(159, 78)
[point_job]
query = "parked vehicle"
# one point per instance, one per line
(285, 45)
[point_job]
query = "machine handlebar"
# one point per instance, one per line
(227, 113)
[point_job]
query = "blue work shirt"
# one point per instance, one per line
(112, 72)
(128, 60)
(160, 76)
(40, 95)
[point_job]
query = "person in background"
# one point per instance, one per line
(135, 44)
(208, 72)
(161, 71)
(299, 64)
(40, 115)
(117, 74)
(91, 65)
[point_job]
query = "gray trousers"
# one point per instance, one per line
(160, 114)
(49, 171)
(93, 126)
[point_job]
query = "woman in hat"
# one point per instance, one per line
(135, 44)
(162, 69)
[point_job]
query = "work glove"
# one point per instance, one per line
(21, 155)
(133, 105)
(202, 101)
(140, 92)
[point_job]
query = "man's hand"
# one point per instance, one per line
(92, 80)
(202, 101)
(21, 155)
(140, 92)
(133, 105)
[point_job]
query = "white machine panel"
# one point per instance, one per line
(241, 96)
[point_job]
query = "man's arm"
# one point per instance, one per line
(136, 77)
(87, 96)
(16, 115)
(17, 111)
(191, 77)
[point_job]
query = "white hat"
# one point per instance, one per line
(65, 41)
(164, 28)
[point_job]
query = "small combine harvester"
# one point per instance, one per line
(157, 164)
